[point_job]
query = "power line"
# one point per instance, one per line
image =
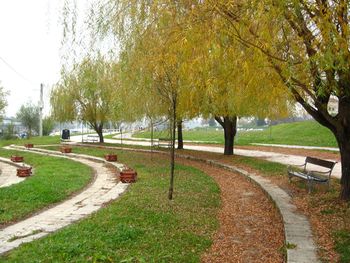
(14, 70)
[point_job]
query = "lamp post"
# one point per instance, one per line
(41, 106)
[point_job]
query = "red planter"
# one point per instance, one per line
(111, 157)
(65, 149)
(16, 159)
(128, 176)
(24, 171)
(29, 145)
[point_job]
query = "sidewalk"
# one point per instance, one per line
(298, 147)
(286, 159)
(102, 190)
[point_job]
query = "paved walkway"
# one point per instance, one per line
(299, 147)
(102, 190)
(8, 174)
(287, 159)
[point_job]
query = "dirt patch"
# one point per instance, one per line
(246, 233)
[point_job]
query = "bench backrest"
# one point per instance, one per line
(320, 162)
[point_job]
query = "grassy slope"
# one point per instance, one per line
(142, 226)
(299, 133)
(54, 179)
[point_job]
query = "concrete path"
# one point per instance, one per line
(287, 159)
(8, 174)
(102, 190)
(299, 147)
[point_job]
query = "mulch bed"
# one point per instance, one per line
(251, 229)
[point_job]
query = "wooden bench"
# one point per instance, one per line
(91, 138)
(164, 142)
(311, 176)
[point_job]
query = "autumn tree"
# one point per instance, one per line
(307, 45)
(88, 93)
(220, 83)
(150, 40)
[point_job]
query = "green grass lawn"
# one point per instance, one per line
(298, 133)
(35, 140)
(54, 179)
(342, 245)
(141, 226)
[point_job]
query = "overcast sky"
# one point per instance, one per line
(29, 49)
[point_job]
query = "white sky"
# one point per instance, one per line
(30, 43)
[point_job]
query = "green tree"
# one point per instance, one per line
(28, 115)
(88, 93)
(48, 125)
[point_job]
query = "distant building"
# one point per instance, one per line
(18, 127)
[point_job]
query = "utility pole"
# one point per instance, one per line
(41, 106)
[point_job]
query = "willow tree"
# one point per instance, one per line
(307, 44)
(158, 62)
(219, 79)
(89, 93)
(150, 34)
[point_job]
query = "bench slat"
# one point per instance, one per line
(320, 162)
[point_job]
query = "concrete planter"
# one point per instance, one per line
(111, 157)
(128, 176)
(24, 171)
(17, 159)
(29, 145)
(65, 149)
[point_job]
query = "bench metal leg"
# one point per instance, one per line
(309, 184)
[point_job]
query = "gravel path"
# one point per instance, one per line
(103, 189)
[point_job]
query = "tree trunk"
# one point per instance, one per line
(230, 128)
(172, 150)
(151, 136)
(344, 148)
(99, 130)
(180, 142)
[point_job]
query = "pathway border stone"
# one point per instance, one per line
(102, 190)
(296, 226)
